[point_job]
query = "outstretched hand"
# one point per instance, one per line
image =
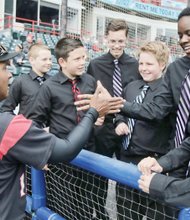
(101, 100)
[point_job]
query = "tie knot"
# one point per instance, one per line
(73, 81)
(41, 79)
(116, 61)
(145, 87)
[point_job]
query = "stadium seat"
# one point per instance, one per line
(16, 35)
(26, 63)
(23, 38)
(24, 70)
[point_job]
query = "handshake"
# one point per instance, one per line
(101, 100)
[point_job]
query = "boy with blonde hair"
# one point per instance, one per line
(142, 138)
(25, 87)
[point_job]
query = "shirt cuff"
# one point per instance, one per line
(92, 111)
(157, 186)
(164, 163)
(127, 108)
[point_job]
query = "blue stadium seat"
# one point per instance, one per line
(24, 70)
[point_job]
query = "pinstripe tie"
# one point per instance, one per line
(41, 79)
(131, 121)
(183, 111)
(117, 85)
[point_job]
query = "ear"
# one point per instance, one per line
(106, 39)
(62, 62)
(162, 66)
(31, 60)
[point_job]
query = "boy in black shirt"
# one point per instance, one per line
(55, 107)
(25, 87)
(142, 138)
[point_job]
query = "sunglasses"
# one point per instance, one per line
(3, 50)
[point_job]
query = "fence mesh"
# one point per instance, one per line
(78, 194)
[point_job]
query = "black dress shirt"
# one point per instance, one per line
(23, 92)
(55, 103)
(167, 98)
(166, 102)
(102, 68)
(148, 137)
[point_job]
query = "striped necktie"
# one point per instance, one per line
(117, 85)
(41, 79)
(183, 111)
(131, 121)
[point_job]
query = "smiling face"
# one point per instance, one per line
(116, 41)
(41, 62)
(184, 33)
(74, 64)
(149, 67)
(5, 75)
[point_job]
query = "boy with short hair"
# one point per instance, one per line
(25, 87)
(55, 105)
(115, 70)
(142, 138)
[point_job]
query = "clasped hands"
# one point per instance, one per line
(148, 166)
(101, 100)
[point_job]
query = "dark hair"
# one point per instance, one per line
(65, 45)
(184, 12)
(117, 25)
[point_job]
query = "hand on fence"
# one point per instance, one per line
(149, 165)
(144, 182)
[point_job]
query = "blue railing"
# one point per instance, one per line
(112, 169)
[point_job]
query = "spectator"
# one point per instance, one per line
(18, 60)
(26, 44)
(39, 41)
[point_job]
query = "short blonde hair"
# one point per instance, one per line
(158, 49)
(34, 49)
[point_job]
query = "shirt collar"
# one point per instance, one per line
(153, 85)
(62, 78)
(34, 75)
(121, 59)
